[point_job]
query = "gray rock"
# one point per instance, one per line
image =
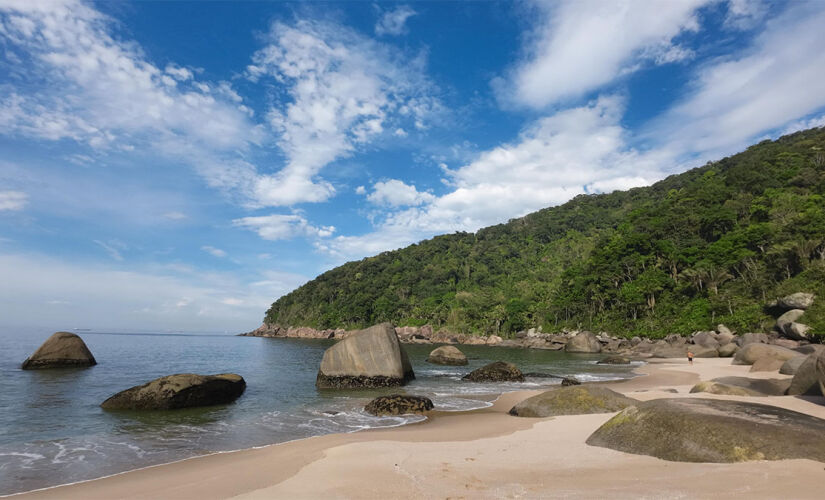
(447, 355)
(675, 339)
(577, 400)
(61, 350)
(712, 430)
(727, 350)
(820, 371)
(798, 331)
(790, 366)
(752, 338)
(367, 358)
(712, 387)
(809, 348)
(614, 360)
(783, 323)
(498, 371)
(635, 341)
(184, 390)
(398, 404)
(750, 353)
(723, 330)
(682, 350)
(805, 381)
(763, 386)
(725, 338)
(583, 342)
(568, 381)
(799, 300)
(790, 344)
(767, 364)
(706, 339)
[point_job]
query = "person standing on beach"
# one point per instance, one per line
(690, 357)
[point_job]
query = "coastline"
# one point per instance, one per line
(480, 453)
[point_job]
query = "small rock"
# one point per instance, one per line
(635, 341)
(398, 404)
(767, 364)
(568, 381)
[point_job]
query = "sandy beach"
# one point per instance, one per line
(479, 454)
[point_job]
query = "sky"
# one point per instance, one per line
(177, 166)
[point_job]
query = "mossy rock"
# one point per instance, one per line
(573, 400)
(498, 371)
(711, 430)
(398, 404)
(761, 386)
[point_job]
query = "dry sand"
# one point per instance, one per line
(479, 454)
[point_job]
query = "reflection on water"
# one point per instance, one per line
(53, 431)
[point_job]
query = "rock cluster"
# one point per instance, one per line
(184, 390)
(61, 350)
(398, 404)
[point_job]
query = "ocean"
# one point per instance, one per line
(53, 431)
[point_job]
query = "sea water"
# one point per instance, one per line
(53, 431)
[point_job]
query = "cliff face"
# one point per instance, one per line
(710, 245)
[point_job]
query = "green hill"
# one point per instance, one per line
(710, 245)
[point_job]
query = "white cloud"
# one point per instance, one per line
(744, 14)
(13, 200)
(394, 22)
(360, 190)
(343, 91)
(175, 215)
(215, 252)
(113, 248)
(580, 46)
(105, 297)
(814, 122)
(735, 99)
(282, 227)
(395, 193)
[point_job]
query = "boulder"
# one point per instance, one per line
(675, 339)
(750, 353)
(765, 387)
(367, 358)
(805, 381)
(752, 338)
(398, 404)
(790, 366)
(767, 364)
(568, 381)
(722, 389)
(799, 300)
(706, 339)
(635, 341)
(723, 330)
(809, 348)
(682, 350)
(498, 371)
(727, 350)
(820, 371)
(798, 331)
(712, 430)
(62, 349)
(783, 342)
(447, 355)
(184, 390)
(576, 400)
(614, 360)
(784, 322)
(725, 338)
(584, 342)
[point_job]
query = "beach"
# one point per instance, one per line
(479, 454)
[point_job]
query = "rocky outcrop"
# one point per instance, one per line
(712, 430)
(447, 355)
(575, 400)
(61, 350)
(743, 386)
(805, 381)
(798, 300)
(751, 353)
(398, 404)
(368, 358)
(614, 360)
(184, 390)
(498, 371)
(583, 342)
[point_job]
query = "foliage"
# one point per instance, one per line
(713, 244)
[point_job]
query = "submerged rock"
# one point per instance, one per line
(183, 390)
(447, 355)
(61, 350)
(614, 360)
(498, 371)
(711, 430)
(398, 404)
(578, 400)
(367, 358)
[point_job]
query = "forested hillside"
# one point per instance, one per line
(714, 244)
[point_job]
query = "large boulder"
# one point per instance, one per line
(573, 400)
(752, 338)
(680, 351)
(184, 390)
(789, 327)
(398, 404)
(366, 358)
(798, 300)
(805, 380)
(712, 430)
(751, 353)
(447, 355)
(820, 371)
(498, 371)
(791, 366)
(61, 350)
(706, 339)
(723, 330)
(583, 342)
(712, 387)
(727, 350)
(767, 364)
(762, 387)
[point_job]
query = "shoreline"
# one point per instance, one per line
(477, 453)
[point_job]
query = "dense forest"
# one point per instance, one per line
(714, 244)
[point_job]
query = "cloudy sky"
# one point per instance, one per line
(179, 165)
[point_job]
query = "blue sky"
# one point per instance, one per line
(179, 165)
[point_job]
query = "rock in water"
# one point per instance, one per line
(367, 358)
(584, 342)
(614, 360)
(398, 404)
(184, 390)
(447, 355)
(62, 349)
(712, 430)
(576, 400)
(498, 371)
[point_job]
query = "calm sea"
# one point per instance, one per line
(52, 430)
